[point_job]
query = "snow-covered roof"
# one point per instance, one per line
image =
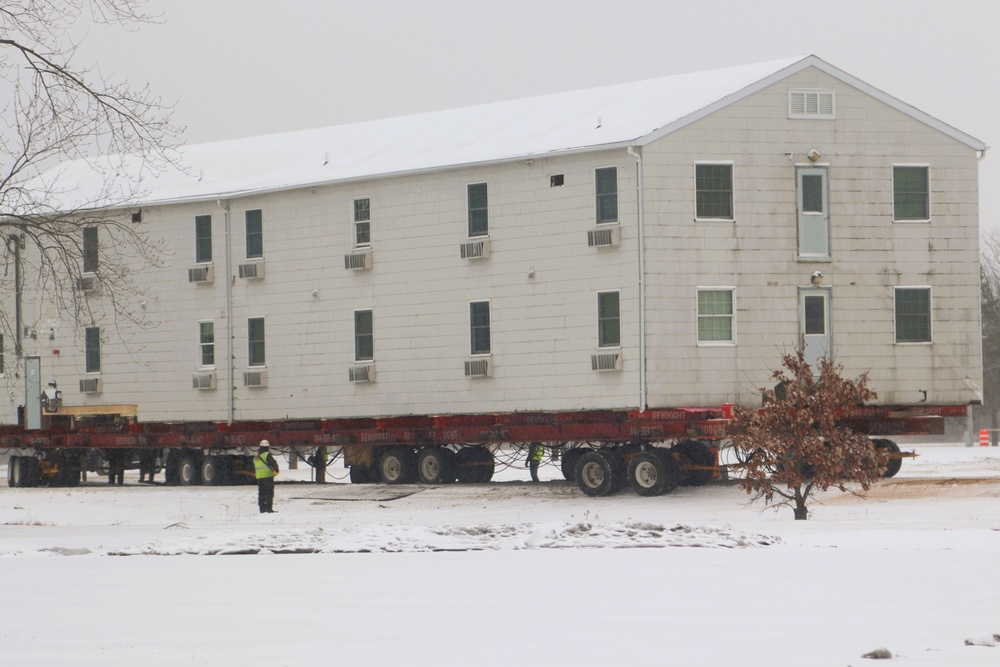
(582, 120)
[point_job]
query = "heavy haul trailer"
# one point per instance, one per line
(652, 451)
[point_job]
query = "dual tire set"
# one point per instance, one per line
(649, 472)
(429, 465)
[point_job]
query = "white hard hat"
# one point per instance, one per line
(264, 443)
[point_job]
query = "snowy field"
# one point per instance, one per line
(506, 573)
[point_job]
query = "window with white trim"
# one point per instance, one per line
(606, 188)
(206, 344)
(716, 315)
(90, 253)
(362, 222)
(806, 103)
(479, 210)
(255, 233)
(913, 314)
(255, 341)
(92, 349)
(479, 319)
(202, 239)
(609, 319)
(713, 185)
(911, 193)
(364, 336)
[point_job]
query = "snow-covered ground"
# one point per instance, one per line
(504, 573)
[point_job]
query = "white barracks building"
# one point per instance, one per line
(654, 244)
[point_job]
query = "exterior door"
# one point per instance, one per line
(813, 212)
(814, 323)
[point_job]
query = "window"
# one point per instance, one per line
(713, 191)
(92, 356)
(479, 214)
(913, 314)
(364, 336)
(203, 239)
(811, 104)
(479, 317)
(90, 250)
(255, 337)
(910, 193)
(609, 324)
(715, 315)
(607, 194)
(206, 341)
(362, 222)
(255, 234)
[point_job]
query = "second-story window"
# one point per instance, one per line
(479, 213)
(364, 336)
(203, 239)
(362, 222)
(255, 234)
(606, 181)
(90, 250)
(479, 317)
(911, 193)
(713, 191)
(92, 351)
(206, 342)
(609, 324)
(255, 338)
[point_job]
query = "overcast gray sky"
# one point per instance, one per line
(238, 68)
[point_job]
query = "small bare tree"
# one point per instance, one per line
(795, 445)
(104, 134)
(990, 308)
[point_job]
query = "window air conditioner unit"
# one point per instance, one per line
(203, 381)
(365, 373)
(252, 270)
(606, 361)
(605, 237)
(87, 284)
(201, 274)
(358, 261)
(476, 249)
(255, 379)
(90, 385)
(478, 368)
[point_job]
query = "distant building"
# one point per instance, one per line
(658, 243)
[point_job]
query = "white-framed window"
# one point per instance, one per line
(713, 190)
(202, 239)
(92, 349)
(255, 342)
(479, 210)
(911, 195)
(606, 190)
(609, 319)
(479, 321)
(364, 336)
(716, 315)
(808, 103)
(362, 222)
(90, 250)
(912, 314)
(206, 344)
(255, 233)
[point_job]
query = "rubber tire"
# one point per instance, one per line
(397, 466)
(697, 453)
(569, 460)
(651, 473)
(599, 474)
(474, 465)
(361, 475)
(895, 462)
(436, 465)
(188, 474)
(215, 470)
(31, 470)
(15, 473)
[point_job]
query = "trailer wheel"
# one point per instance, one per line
(694, 453)
(14, 476)
(215, 470)
(31, 471)
(474, 465)
(895, 460)
(436, 465)
(651, 473)
(396, 466)
(598, 473)
(188, 474)
(361, 475)
(569, 460)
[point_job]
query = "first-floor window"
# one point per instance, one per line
(609, 320)
(364, 336)
(255, 336)
(92, 356)
(913, 314)
(715, 315)
(479, 317)
(206, 340)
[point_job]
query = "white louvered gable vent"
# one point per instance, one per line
(90, 385)
(478, 368)
(609, 236)
(255, 379)
(811, 104)
(358, 261)
(475, 249)
(606, 361)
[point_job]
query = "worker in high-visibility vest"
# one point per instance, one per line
(265, 469)
(535, 453)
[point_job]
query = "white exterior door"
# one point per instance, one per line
(813, 212)
(814, 323)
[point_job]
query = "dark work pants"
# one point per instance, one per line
(265, 493)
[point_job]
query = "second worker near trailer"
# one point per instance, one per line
(265, 469)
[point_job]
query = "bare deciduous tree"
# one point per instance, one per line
(107, 134)
(795, 445)
(990, 285)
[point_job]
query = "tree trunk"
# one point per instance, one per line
(801, 511)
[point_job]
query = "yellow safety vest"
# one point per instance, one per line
(537, 451)
(260, 468)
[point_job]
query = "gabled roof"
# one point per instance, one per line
(535, 127)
